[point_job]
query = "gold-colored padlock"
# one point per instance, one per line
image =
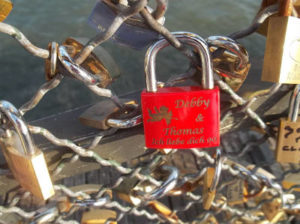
(236, 192)
(211, 219)
(211, 180)
(208, 193)
(285, 9)
(5, 8)
(164, 211)
(288, 148)
(273, 210)
(282, 53)
(25, 160)
(98, 216)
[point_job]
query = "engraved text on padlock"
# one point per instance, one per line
(181, 117)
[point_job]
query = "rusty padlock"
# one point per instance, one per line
(181, 117)
(288, 149)
(25, 160)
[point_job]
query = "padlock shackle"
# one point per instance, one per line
(16, 119)
(294, 104)
(187, 38)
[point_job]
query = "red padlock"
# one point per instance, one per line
(181, 117)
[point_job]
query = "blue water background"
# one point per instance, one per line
(21, 74)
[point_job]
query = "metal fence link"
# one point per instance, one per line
(262, 189)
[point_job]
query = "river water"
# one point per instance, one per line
(53, 20)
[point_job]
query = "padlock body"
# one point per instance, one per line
(129, 34)
(288, 142)
(31, 172)
(282, 54)
(181, 117)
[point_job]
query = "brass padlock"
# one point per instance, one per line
(211, 180)
(273, 210)
(106, 114)
(25, 160)
(275, 8)
(288, 149)
(282, 53)
(5, 8)
(236, 192)
(99, 216)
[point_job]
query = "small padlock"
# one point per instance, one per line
(25, 160)
(5, 8)
(282, 53)
(181, 117)
(233, 64)
(99, 216)
(236, 192)
(211, 180)
(288, 147)
(106, 114)
(134, 32)
(273, 210)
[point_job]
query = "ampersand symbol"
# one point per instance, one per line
(199, 118)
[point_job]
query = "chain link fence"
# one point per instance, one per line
(166, 186)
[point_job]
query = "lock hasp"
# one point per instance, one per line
(282, 54)
(181, 117)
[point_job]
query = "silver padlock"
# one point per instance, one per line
(134, 32)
